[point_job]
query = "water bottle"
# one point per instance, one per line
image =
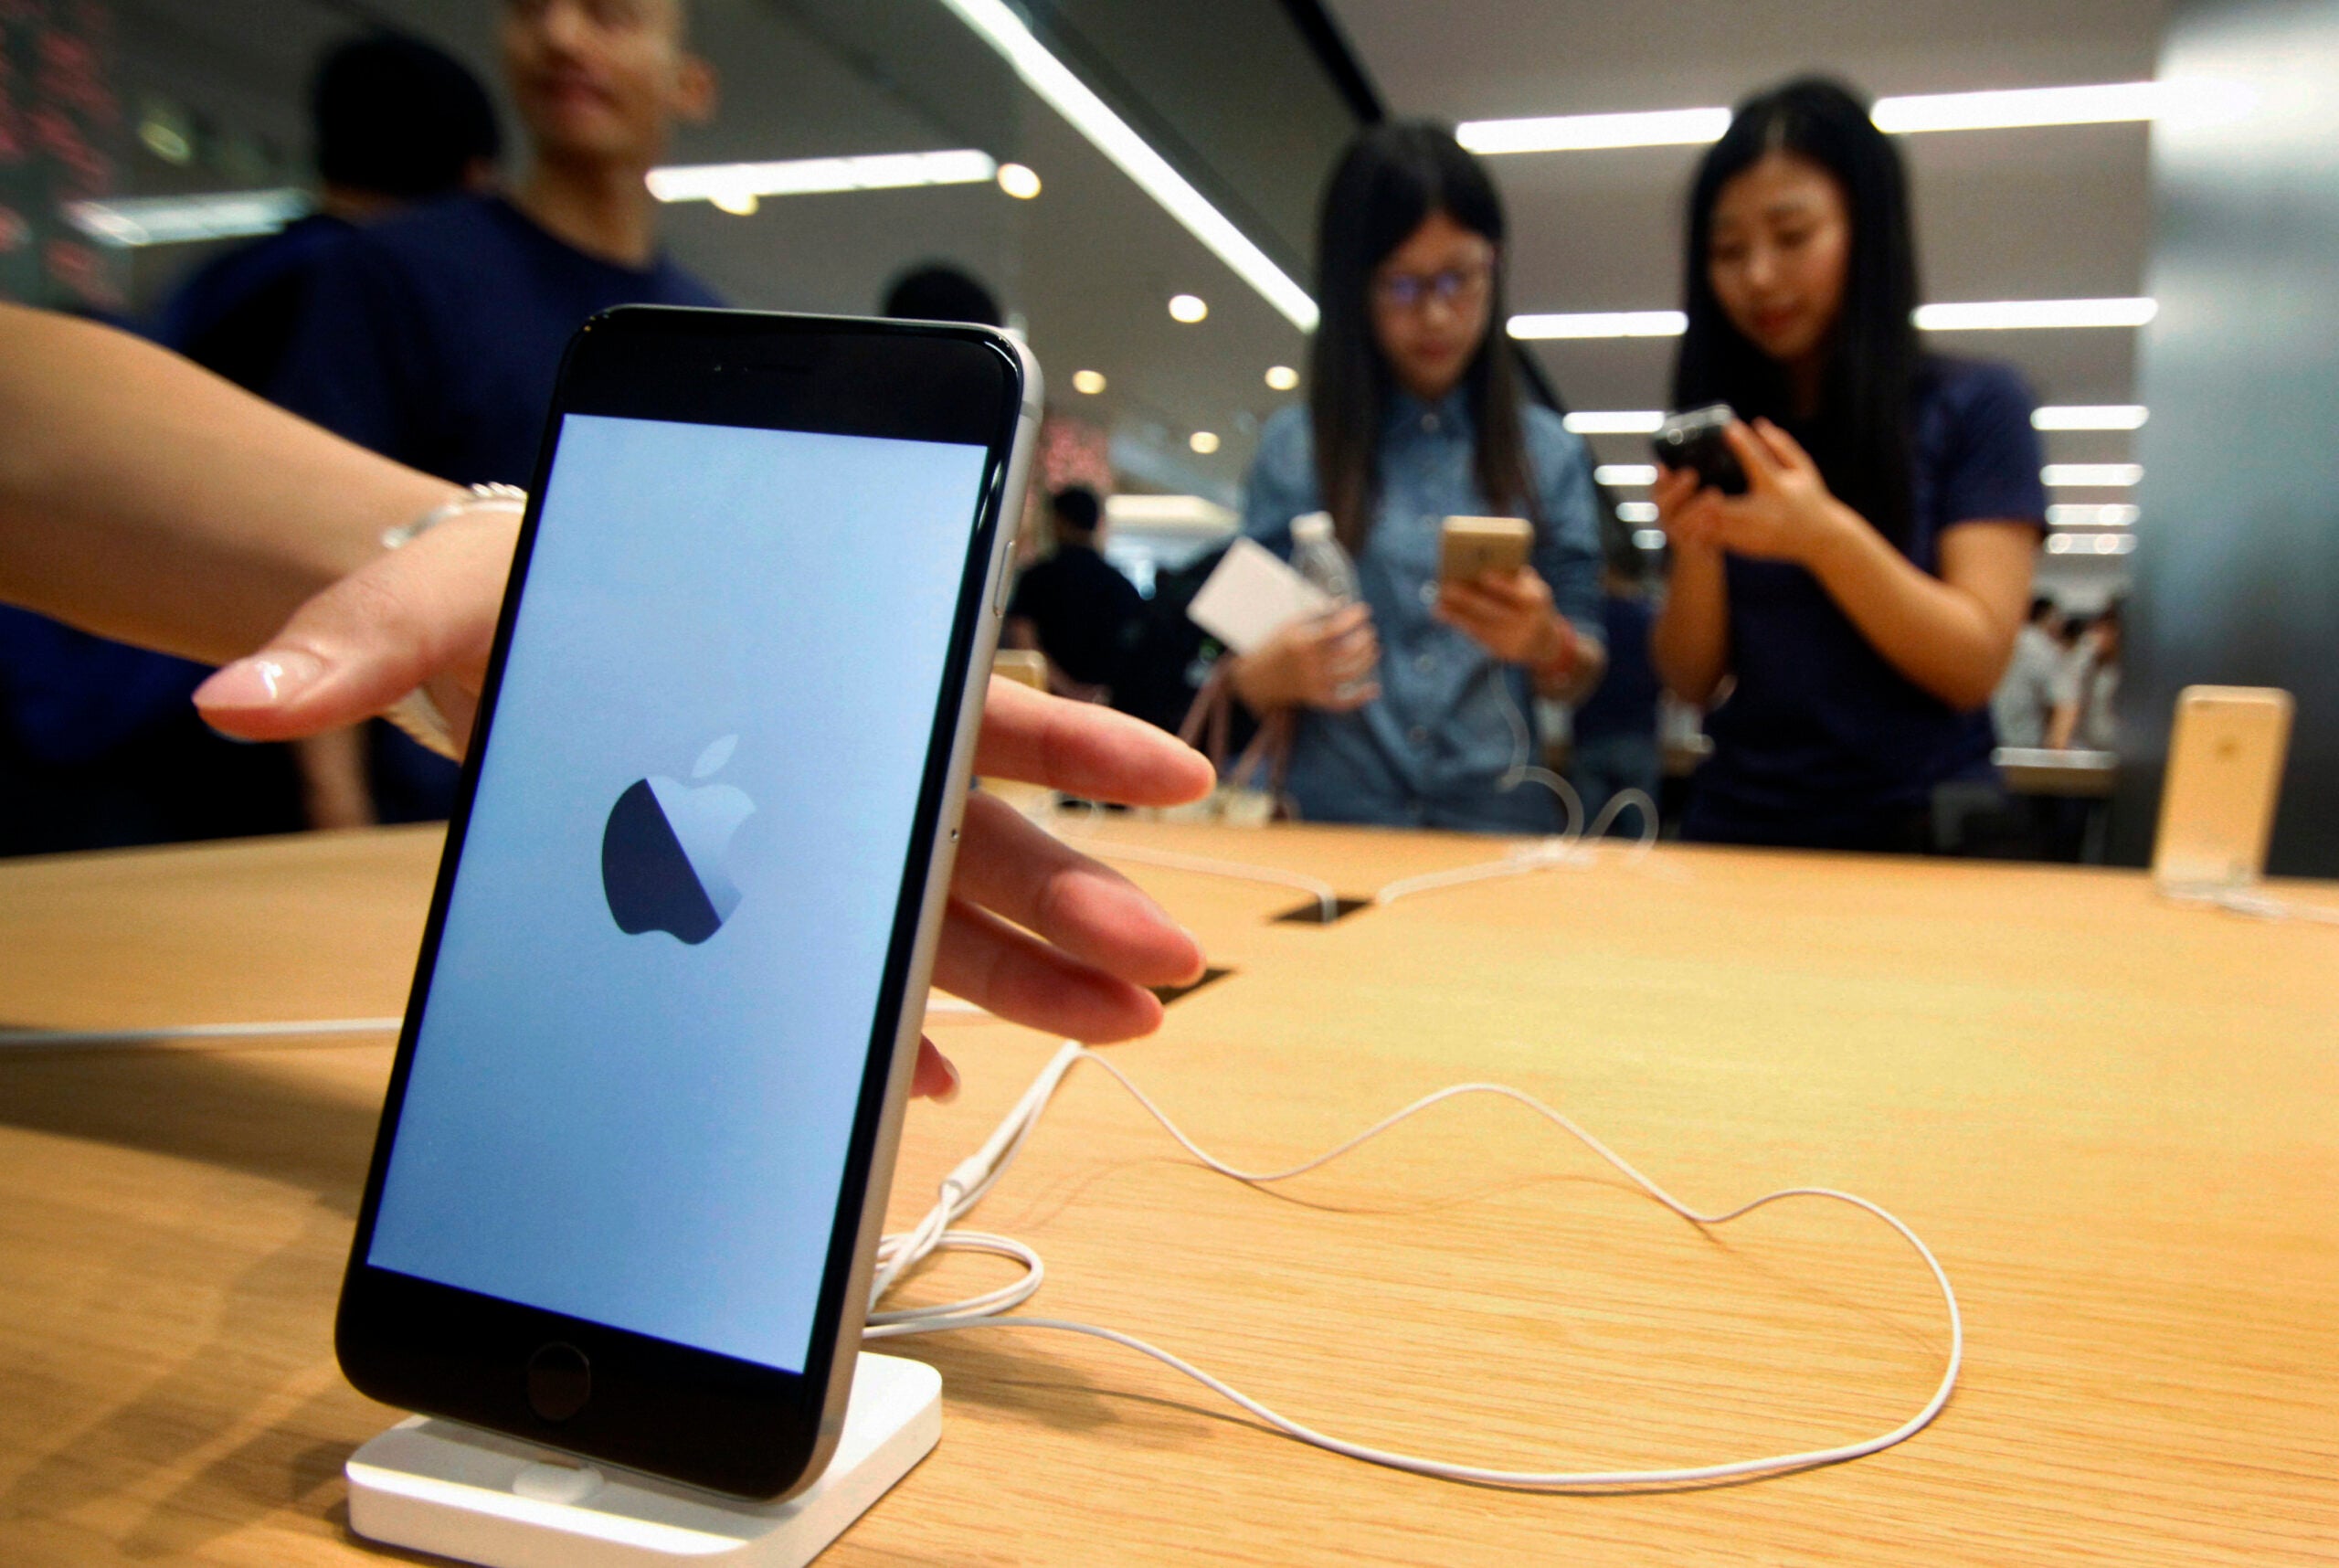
(1317, 555)
(1317, 558)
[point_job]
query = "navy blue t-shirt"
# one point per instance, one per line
(435, 337)
(1823, 742)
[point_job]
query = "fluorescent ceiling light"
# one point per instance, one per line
(1578, 132)
(2071, 516)
(1625, 473)
(2091, 473)
(738, 185)
(1203, 442)
(2090, 544)
(1111, 135)
(1088, 382)
(2089, 417)
(1614, 422)
(1168, 514)
(1282, 377)
(2002, 315)
(1188, 308)
(132, 223)
(1637, 511)
(1601, 323)
(1649, 538)
(2190, 101)
(1018, 180)
(2101, 104)
(1987, 316)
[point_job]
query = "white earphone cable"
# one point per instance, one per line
(974, 1177)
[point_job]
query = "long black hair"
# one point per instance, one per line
(1388, 181)
(1859, 435)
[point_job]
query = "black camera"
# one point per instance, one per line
(1694, 440)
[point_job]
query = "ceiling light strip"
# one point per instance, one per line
(1111, 135)
(2089, 476)
(814, 176)
(2189, 100)
(133, 223)
(2089, 417)
(1981, 316)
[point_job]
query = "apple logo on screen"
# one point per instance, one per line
(666, 851)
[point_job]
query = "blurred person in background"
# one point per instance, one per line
(101, 746)
(1613, 744)
(1415, 706)
(1073, 606)
(2087, 690)
(394, 122)
(938, 292)
(2025, 700)
(146, 500)
(1862, 598)
(434, 337)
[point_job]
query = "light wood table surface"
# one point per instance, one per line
(2116, 1121)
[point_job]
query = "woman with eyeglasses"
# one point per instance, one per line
(1861, 599)
(1415, 706)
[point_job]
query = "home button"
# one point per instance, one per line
(560, 1380)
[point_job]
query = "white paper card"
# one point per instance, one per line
(1252, 596)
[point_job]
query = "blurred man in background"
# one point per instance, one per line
(395, 122)
(435, 337)
(1073, 606)
(2025, 699)
(98, 744)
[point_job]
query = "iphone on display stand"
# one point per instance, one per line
(2225, 772)
(633, 1162)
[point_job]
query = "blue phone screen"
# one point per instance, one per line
(641, 1050)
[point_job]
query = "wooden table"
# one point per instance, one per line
(2117, 1122)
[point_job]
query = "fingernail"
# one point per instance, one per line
(264, 680)
(946, 1095)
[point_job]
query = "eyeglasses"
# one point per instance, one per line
(1410, 291)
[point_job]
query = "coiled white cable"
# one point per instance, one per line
(975, 1176)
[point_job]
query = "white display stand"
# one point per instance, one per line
(439, 1486)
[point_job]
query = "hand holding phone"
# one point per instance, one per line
(1694, 443)
(1469, 548)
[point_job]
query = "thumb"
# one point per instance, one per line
(424, 614)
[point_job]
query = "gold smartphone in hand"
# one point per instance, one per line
(2225, 770)
(1471, 547)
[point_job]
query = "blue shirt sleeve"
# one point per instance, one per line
(1282, 484)
(1567, 544)
(356, 362)
(1992, 472)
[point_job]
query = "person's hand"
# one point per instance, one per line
(1787, 514)
(422, 616)
(1324, 662)
(1035, 932)
(1509, 614)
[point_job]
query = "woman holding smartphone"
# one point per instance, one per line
(1416, 705)
(1861, 599)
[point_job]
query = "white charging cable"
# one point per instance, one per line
(974, 1177)
(2249, 902)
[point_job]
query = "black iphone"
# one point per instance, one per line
(633, 1163)
(1694, 440)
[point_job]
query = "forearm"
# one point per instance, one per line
(1938, 634)
(143, 498)
(1690, 642)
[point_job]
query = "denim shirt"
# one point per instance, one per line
(1450, 723)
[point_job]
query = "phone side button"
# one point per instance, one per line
(560, 1380)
